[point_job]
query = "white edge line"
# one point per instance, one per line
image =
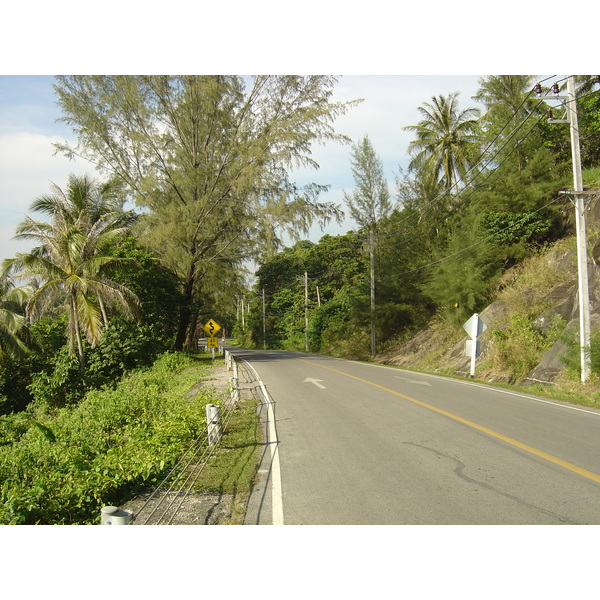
(276, 490)
(487, 387)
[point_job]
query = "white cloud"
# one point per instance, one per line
(28, 130)
(27, 170)
(390, 103)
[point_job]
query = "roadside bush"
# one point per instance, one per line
(519, 348)
(62, 466)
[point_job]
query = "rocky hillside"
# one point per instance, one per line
(532, 326)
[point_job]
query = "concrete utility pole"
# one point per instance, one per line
(582, 263)
(578, 202)
(264, 321)
(372, 261)
(306, 309)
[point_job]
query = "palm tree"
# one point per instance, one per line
(445, 139)
(71, 262)
(12, 320)
(509, 103)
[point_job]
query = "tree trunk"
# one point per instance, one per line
(77, 332)
(191, 342)
(185, 313)
(184, 320)
(103, 311)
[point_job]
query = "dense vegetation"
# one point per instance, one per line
(483, 192)
(62, 466)
(107, 291)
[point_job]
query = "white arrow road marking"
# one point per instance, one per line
(413, 381)
(315, 381)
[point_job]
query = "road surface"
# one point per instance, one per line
(351, 443)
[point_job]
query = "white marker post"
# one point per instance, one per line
(474, 328)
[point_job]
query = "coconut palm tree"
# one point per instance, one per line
(509, 102)
(70, 263)
(445, 139)
(12, 319)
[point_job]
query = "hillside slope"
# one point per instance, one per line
(532, 331)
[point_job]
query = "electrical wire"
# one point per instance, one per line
(462, 178)
(469, 193)
(489, 161)
(477, 243)
(490, 173)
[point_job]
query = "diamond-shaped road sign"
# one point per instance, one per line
(474, 326)
(211, 328)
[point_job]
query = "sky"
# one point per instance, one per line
(395, 60)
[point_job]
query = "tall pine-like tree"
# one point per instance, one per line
(207, 158)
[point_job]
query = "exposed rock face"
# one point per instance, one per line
(564, 303)
(435, 350)
(566, 298)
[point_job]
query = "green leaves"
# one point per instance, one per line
(209, 160)
(72, 257)
(444, 140)
(370, 201)
(516, 227)
(63, 466)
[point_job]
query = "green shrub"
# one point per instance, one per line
(62, 466)
(518, 349)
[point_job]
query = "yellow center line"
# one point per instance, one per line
(504, 438)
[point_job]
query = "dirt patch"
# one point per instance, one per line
(179, 509)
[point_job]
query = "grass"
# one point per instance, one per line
(232, 469)
(591, 176)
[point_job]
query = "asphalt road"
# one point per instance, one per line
(350, 443)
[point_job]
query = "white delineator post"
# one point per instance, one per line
(474, 328)
(213, 424)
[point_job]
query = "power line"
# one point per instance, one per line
(472, 191)
(481, 241)
(532, 114)
(489, 145)
(490, 173)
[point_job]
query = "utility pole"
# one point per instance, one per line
(579, 204)
(306, 309)
(264, 321)
(582, 263)
(372, 269)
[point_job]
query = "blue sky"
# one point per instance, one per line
(28, 128)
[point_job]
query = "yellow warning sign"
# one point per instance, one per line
(212, 342)
(212, 327)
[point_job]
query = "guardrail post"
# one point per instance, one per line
(235, 390)
(112, 515)
(213, 423)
